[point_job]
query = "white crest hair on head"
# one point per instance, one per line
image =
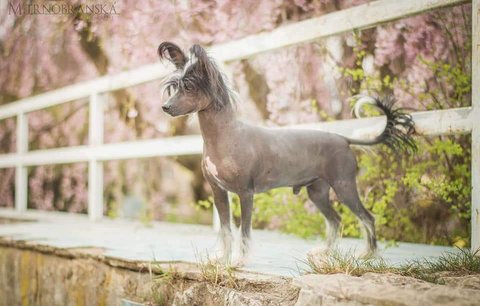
(170, 83)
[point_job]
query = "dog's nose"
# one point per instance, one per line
(165, 107)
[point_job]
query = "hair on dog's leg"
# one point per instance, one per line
(246, 203)
(222, 204)
(318, 192)
(227, 242)
(346, 190)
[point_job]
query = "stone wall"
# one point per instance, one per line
(33, 274)
(44, 275)
(34, 278)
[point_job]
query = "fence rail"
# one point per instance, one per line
(437, 122)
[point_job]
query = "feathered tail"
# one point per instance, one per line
(399, 128)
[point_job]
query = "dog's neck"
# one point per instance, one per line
(216, 124)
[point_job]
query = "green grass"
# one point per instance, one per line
(164, 283)
(461, 262)
(215, 272)
(168, 280)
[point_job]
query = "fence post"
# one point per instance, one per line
(21, 172)
(475, 243)
(95, 167)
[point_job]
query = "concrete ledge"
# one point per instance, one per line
(33, 275)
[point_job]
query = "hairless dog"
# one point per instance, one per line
(246, 159)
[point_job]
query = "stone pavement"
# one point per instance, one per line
(272, 252)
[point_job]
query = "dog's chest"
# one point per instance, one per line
(222, 170)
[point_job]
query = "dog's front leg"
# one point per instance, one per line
(246, 203)
(220, 198)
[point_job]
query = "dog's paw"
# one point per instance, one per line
(221, 258)
(316, 255)
(222, 254)
(240, 259)
(368, 254)
(318, 251)
(239, 262)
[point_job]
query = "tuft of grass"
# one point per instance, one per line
(335, 261)
(461, 262)
(464, 261)
(165, 283)
(216, 273)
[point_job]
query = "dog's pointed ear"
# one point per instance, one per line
(200, 53)
(173, 53)
(208, 66)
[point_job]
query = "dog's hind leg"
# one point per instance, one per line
(222, 204)
(318, 192)
(246, 203)
(347, 193)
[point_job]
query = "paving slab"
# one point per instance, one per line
(272, 252)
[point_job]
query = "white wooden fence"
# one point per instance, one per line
(438, 122)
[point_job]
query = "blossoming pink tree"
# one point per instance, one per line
(297, 84)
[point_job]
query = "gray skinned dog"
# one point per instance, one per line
(246, 159)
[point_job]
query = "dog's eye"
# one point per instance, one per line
(171, 89)
(188, 85)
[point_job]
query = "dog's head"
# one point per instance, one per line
(196, 85)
